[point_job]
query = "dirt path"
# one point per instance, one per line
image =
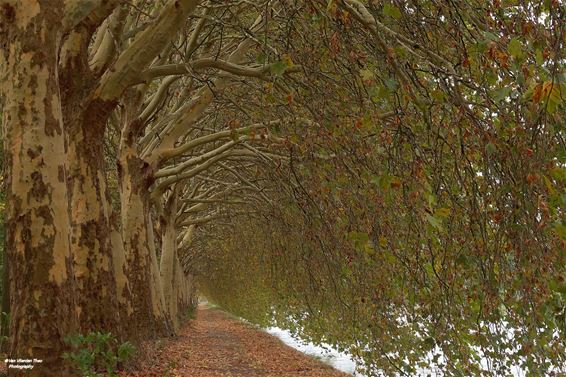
(215, 345)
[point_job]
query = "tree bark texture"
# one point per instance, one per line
(42, 291)
(91, 243)
(139, 245)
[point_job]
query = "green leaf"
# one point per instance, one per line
(442, 212)
(261, 58)
(515, 48)
(438, 95)
(554, 99)
(366, 74)
(378, 93)
(429, 342)
(390, 258)
(391, 11)
(475, 306)
(358, 237)
(500, 94)
(434, 221)
(278, 68)
(539, 57)
(556, 286)
(74, 340)
(391, 84)
(386, 181)
(558, 173)
(429, 270)
(490, 37)
(490, 148)
(560, 229)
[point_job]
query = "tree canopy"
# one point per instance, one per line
(384, 176)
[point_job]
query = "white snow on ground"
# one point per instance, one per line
(338, 360)
(344, 361)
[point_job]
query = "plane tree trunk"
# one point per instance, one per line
(42, 291)
(168, 257)
(177, 286)
(136, 176)
(91, 243)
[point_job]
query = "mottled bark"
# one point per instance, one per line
(68, 263)
(5, 298)
(91, 243)
(123, 292)
(168, 256)
(151, 319)
(177, 287)
(184, 291)
(42, 291)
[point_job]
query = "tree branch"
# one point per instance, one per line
(226, 66)
(145, 47)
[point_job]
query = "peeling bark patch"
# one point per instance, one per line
(34, 153)
(25, 230)
(61, 173)
(45, 213)
(39, 189)
(52, 116)
(22, 110)
(148, 175)
(38, 58)
(8, 13)
(88, 234)
(97, 114)
(27, 13)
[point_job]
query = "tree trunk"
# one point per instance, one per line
(150, 316)
(42, 290)
(182, 283)
(5, 296)
(168, 257)
(91, 243)
(123, 292)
